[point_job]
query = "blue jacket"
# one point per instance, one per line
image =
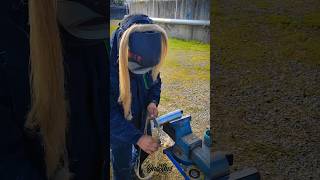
(21, 153)
(144, 91)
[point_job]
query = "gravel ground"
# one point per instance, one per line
(265, 103)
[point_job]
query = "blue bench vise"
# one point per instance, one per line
(189, 151)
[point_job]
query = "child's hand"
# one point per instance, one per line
(148, 144)
(153, 110)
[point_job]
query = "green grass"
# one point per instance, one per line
(312, 20)
(262, 4)
(279, 36)
(179, 44)
(309, 20)
(281, 20)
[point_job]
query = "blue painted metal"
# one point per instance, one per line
(181, 126)
(207, 138)
(180, 157)
(220, 165)
(168, 117)
(176, 164)
(190, 150)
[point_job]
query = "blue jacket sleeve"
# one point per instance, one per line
(121, 129)
(155, 91)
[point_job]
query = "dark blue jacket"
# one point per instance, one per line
(144, 91)
(21, 153)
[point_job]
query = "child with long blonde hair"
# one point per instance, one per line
(53, 75)
(138, 51)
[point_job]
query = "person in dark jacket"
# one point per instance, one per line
(138, 49)
(54, 127)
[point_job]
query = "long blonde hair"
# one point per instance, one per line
(49, 105)
(124, 79)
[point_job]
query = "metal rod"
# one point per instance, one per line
(176, 164)
(175, 13)
(168, 117)
(182, 21)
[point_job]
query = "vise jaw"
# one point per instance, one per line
(167, 118)
(185, 141)
(188, 149)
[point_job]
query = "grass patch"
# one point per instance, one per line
(185, 65)
(188, 60)
(280, 37)
(262, 4)
(188, 45)
(312, 20)
(280, 19)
